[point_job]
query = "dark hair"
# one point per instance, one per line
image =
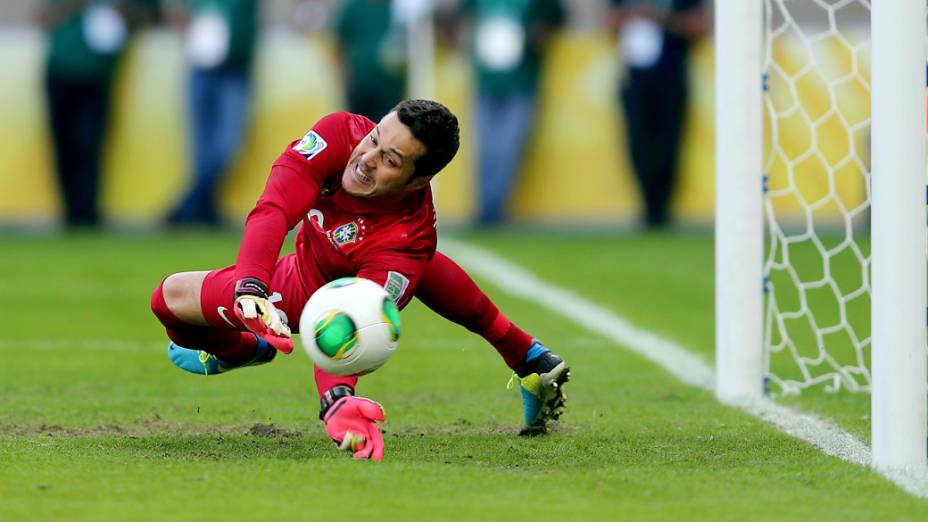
(436, 127)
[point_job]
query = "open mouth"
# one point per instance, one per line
(362, 177)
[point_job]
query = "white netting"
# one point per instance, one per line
(817, 179)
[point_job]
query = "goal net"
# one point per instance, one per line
(817, 195)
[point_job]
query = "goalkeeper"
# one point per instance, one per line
(361, 191)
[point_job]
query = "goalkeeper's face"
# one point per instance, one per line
(384, 162)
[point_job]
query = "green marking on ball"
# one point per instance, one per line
(335, 334)
(391, 316)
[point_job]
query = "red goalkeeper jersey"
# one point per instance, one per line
(386, 240)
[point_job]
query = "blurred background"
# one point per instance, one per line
(200, 96)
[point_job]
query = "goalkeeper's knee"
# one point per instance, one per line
(159, 307)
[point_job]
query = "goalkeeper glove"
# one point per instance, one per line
(351, 422)
(259, 315)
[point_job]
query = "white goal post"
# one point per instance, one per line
(897, 263)
(738, 200)
(897, 234)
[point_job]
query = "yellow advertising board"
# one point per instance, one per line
(576, 170)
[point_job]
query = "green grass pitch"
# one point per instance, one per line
(95, 424)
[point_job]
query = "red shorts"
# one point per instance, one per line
(287, 293)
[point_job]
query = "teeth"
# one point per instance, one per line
(362, 176)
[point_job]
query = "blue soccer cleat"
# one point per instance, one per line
(541, 378)
(203, 363)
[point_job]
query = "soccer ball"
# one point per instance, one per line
(350, 326)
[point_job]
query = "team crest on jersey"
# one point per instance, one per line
(310, 145)
(396, 285)
(345, 234)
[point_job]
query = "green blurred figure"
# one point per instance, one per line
(221, 39)
(373, 56)
(509, 42)
(87, 39)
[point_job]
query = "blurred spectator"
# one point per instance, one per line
(373, 57)
(221, 36)
(655, 38)
(509, 40)
(86, 39)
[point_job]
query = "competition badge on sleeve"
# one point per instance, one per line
(396, 285)
(310, 145)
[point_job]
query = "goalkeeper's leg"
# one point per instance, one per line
(197, 346)
(449, 291)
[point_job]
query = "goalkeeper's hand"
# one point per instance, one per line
(352, 423)
(260, 316)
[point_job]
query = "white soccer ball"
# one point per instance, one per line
(350, 326)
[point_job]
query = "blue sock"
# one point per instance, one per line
(261, 346)
(534, 351)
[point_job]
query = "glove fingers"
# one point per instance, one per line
(281, 344)
(271, 317)
(253, 323)
(373, 445)
(370, 409)
(249, 308)
(375, 442)
(351, 424)
(274, 322)
(352, 441)
(361, 446)
(365, 451)
(279, 328)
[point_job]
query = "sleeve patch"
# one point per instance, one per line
(311, 144)
(396, 285)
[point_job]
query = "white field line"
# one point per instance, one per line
(682, 364)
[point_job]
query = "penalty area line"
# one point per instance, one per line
(680, 362)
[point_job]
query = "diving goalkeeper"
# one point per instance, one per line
(361, 191)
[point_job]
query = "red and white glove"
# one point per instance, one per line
(352, 423)
(260, 316)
